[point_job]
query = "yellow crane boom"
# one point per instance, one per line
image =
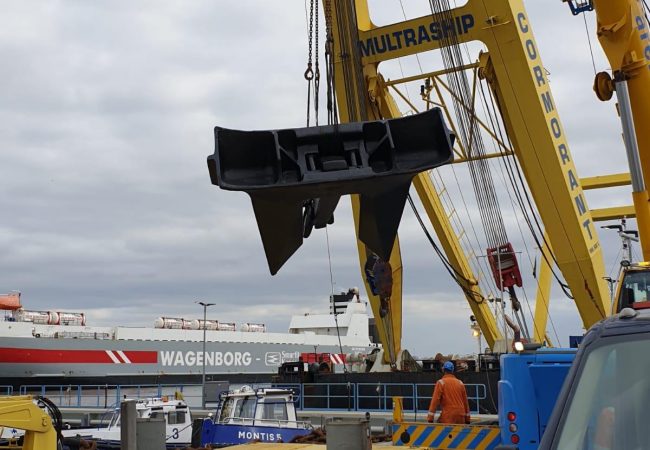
(21, 412)
(516, 74)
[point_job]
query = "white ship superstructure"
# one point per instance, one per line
(36, 344)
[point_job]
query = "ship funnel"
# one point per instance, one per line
(295, 177)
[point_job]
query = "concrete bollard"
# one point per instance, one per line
(128, 425)
(151, 434)
(348, 434)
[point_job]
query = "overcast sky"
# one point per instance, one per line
(107, 112)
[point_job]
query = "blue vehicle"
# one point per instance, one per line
(529, 387)
(245, 415)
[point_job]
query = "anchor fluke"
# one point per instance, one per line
(295, 177)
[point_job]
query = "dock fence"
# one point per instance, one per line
(308, 396)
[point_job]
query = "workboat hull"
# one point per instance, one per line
(227, 434)
(111, 444)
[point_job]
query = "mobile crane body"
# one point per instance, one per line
(22, 413)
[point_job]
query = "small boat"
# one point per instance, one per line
(178, 424)
(245, 415)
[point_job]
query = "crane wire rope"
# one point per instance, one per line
(524, 241)
(417, 57)
(591, 51)
(519, 186)
(482, 180)
(486, 111)
(507, 161)
(457, 276)
(336, 320)
(488, 280)
(449, 206)
(332, 107)
(570, 245)
(312, 75)
(479, 266)
(480, 261)
(353, 80)
(496, 149)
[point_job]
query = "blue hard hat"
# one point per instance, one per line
(448, 366)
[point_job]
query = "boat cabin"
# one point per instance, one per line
(246, 414)
(178, 422)
(262, 406)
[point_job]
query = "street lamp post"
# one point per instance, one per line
(476, 332)
(205, 313)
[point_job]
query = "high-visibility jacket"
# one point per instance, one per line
(451, 396)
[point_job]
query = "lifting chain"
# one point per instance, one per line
(316, 69)
(309, 72)
(312, 73)
(332, 114)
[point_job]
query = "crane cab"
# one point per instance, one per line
(633, 287)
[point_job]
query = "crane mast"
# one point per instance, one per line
(517, 76)
(624, 34)
(513, 69)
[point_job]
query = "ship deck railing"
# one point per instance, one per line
(6, 389)
(370, 397)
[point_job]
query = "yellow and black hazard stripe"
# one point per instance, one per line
(446, 436)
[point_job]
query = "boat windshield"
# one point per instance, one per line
(245, 408)
(275, 410)
(610, 399)
(226, 409)
(171, 417)
(115, 419)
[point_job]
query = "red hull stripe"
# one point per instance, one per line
(34, 355)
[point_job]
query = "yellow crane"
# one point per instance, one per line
(624, 34)
(22, 413)
(513, 68)
(516, 74)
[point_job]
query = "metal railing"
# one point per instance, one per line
(108, 396)
(307, 396)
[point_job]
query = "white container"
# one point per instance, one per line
(38, 317)
(171, 323)
(253, 327)
(227, 326)
(75, 319)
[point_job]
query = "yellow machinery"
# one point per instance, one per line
(624, 34)
(513, 69)
(22, 413)
(516, 75)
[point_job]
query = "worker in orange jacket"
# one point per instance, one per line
(451, 396)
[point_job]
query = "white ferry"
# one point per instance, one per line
(55, 347)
